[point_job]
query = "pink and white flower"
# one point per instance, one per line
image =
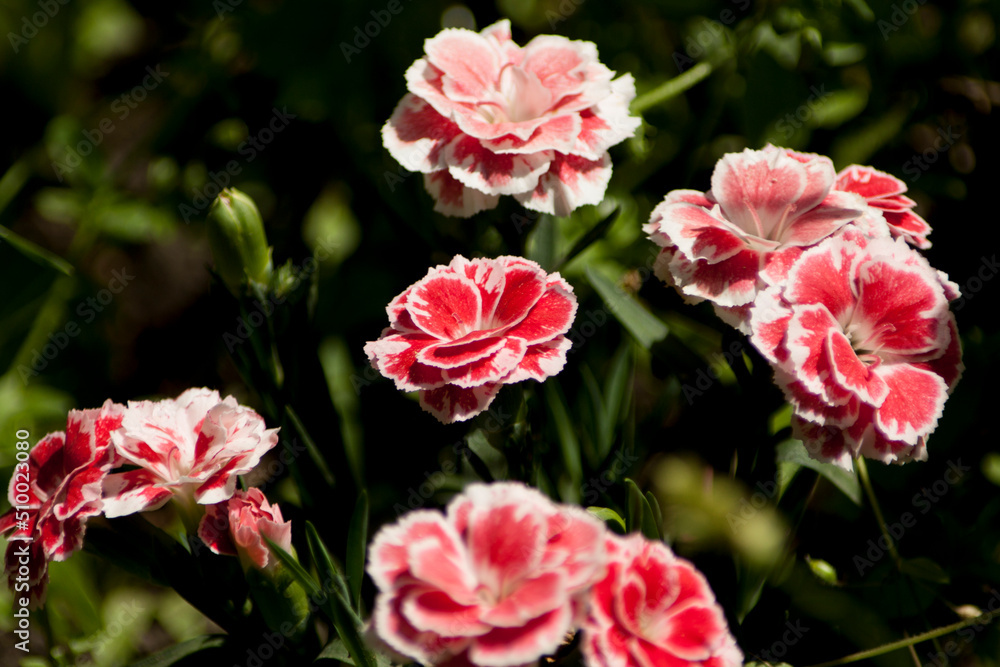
(60, 486)
(884, 192)
(654, 608)
(497, 581)
(485, 117)
(195, 446)
(468, 328)
(864, 346)
(764, 209)
(238, 526)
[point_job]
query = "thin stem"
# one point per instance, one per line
(671, 88)
(859, 463)
(910, 641)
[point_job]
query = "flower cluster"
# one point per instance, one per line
(470, 327)
(485, 117)
(802, 259)
(118, 460)
(504, 574)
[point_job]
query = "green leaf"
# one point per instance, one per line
(640, 515)
(924, 569)
(314, 453)
(172, 654)
(793, 451)
(568, 443)
(335, 606)
(838, 106)
(36, 252)
(642, 324)
(657, 514)
(335, 650)
(338, 369)
(357, 541)
(326, 566)
(593, 234)
(607, 514)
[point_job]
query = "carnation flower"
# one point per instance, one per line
(885, 193)
(497, 581)
(654, 608)
(195, 445)
(765, 207)
(239, 525)
(864, 346)
(60, 487)
(468, 328)
(485, 117)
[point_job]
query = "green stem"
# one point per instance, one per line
(671, 88)
(910, 641)
(859, 463)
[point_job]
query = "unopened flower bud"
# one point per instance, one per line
(239, 244)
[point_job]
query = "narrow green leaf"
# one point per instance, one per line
(657, 514)
(642, 324)
(793, 451)
(640, 514)
(36, 252)
(592, 235)
(357, 542)
(326, 566)
(336, 608)
(607, 514)
(172, 654)
(314, 453)
(338, 369)
(600, 430)
(568, 443)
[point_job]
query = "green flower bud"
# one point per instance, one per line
(239, 244)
